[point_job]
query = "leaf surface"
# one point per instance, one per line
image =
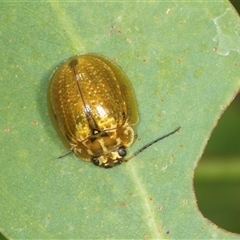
(183, 61)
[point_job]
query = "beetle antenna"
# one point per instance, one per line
(151, 143)
(65, 154)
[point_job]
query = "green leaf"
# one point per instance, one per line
(183, 61)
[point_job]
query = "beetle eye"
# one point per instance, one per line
(122, 151)
(95, 161)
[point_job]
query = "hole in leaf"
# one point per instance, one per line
(217, 177)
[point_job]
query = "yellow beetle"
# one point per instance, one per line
(93, 108)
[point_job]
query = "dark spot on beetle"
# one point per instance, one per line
(167, 232)
(73, 63)
(96, 135)
(119, 31)
(235, 64)
(124, 116)
(95, 131)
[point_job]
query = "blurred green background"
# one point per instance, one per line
(217, 177)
